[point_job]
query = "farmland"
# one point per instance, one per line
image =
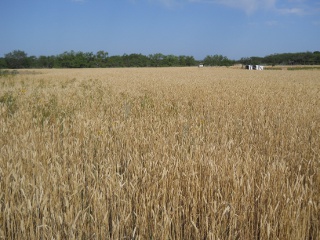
(160, 153)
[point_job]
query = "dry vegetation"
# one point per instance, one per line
(168, 153)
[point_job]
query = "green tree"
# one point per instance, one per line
(115, 61)
(156, 59)
(190, 61)
(316, 57)
(64, 60)
(171, 61)
(135, 60)
(182, 61)
(101, 58)
(256, 60)
(3, 63)
(71, 59)
(217, 60)
(17, 59)
(46, 61)
(32, 62)
(79, 60)
(245, 61)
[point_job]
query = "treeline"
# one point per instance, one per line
(301, 58)
(20, 59)
(71, 59)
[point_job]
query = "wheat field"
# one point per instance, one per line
(160, 153)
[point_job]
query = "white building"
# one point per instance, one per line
(254, 67)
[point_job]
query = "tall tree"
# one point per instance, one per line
(17, 59)
(156, 59)
(171, 60)
(101, 58)
(217, 60)
(190, 61)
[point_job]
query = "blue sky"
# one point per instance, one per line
(233, 28)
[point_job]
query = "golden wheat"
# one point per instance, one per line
(160, 153)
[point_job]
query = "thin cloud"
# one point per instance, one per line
(295, 11)
(298, 7)
(249, 6)
(284, 7)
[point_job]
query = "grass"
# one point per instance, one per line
(273, 68)
(304, 68)
(160, 153)
(8, 72)
(294, 67)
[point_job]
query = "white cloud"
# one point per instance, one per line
(298, 7)
(248, 6)
(288, 7)
(296, 11)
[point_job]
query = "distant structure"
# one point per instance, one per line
(254, 67)
(200, 65)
